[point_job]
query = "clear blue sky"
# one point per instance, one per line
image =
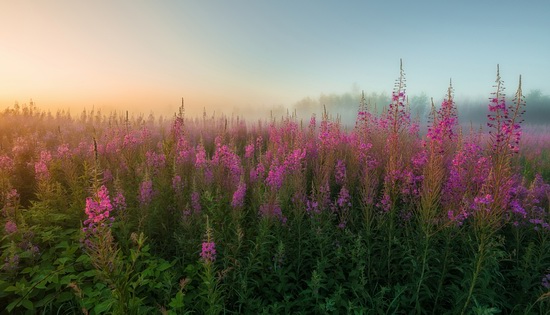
(149, 54)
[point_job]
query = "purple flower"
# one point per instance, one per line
(293, 162)
(10, 227)
(344, 199)
(63, 151)
(196, 202)
(275, 176)
(208, 253)
(312, 207)
(119, 202)
(41, 167)
(6, 163)
(200, 157)
(154, 160)
(340, 172)
(546, 281)
(249, 151)
(98, 208)
(146, 192)
(238, 196)
(385, 203)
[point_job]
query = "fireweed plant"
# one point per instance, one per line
(119, 214)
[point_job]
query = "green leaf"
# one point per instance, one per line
(11, 288)
(177, 301)
(62, 244)
(67, 279)
(12, 305)
(83, 258)
(41, 284)
(103, 306)
(29, 270)
(45, 300)
(64, 297)
(62, 260)
(165, 265)
(89, 273)
(27, 304)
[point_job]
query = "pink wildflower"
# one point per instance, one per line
(98, 208)
(275, 176)
(340, 172)
(208, 252)
(196, 202)
(249, 151)
(200, 157)
(146, 192)
(119, 202)
(10, 227)
(238, 196)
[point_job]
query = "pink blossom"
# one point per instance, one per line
(344, 199)
(293, 162)
(275, 176)
(177, 184)
(238, 196)
(10, 227)
(98, 209)
(146, 192)
(208, 252)
(119, 202)
(196, 202)
(200, 157)
(249, 151)
(154, 160)
(340, 172)
(6, 163)
(41, 167)
(63, 151)
(385, 203)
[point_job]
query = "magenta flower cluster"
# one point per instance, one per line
(208, 252)
(98, 209)
(146, 192)
(238, 196)
(10, 227)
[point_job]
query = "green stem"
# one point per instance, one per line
(390, 235)
(443, 271)
(424, 263)
(480, 257)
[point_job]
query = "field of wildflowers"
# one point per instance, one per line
(110, 214)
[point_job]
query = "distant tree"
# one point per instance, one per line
(419, 104)
(538, 107)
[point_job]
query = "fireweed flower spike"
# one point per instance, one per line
(208, 249)
(98, 209)
(208, 252)
(10, 227)
(238, 196)
(146, 192)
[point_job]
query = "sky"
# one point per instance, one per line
(220, 55)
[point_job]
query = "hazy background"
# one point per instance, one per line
(256, 56)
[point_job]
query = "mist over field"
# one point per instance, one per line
(471, 110)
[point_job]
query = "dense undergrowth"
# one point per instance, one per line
(127, 215)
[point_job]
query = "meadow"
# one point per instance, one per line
(119, 214)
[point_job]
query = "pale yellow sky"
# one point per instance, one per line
(145, 55)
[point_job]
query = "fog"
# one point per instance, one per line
(471, 110)
(344, 106)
